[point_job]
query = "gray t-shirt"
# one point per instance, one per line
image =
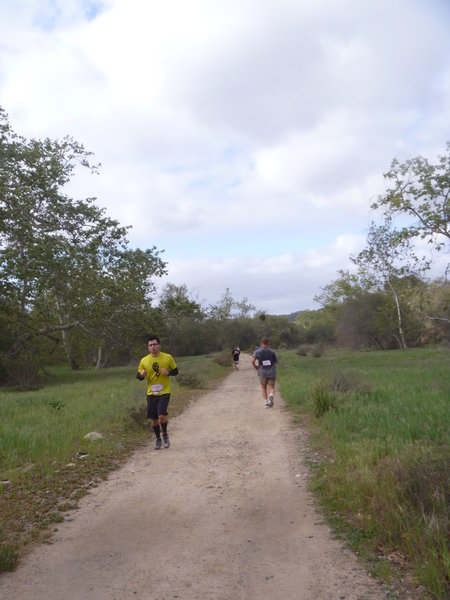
(267, 360)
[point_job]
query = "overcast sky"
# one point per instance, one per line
(245, 138)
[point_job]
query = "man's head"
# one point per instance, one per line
(153, 344)
(264, 340)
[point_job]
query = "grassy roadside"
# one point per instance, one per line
(47, 465)
(380, 423)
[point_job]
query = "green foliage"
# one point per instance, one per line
(349, 381)
(420, 479)
(387, 303)
(223, 358)
(421, 191)
(57, 404)
(182, 316)
(303, 350)
(383, 437)
(228, 308)
(323, 400)
(8, 558)
(138, 414)
(371, 317)
(385, 264)
(64, 265)
(317, 350)
(316, 326)
(189, 380)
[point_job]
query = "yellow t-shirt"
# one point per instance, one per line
(157, 383)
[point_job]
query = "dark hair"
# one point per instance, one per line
(264, 340)
(153, 337)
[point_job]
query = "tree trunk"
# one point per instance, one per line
(65, 340)
(402, 341)
(101, 358)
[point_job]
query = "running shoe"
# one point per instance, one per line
(158, 443)
(166, 441)
(267, 404)
(270, 400)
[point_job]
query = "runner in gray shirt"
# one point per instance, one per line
(267, 370)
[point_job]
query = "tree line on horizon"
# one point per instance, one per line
(71, 289)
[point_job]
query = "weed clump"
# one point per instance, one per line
(412, 506)
(8, 558)
(349, 381)
(189, 380)
(325, 394)
(303, 350)
(323, 399)
(139, 415)
(223, 358)
(317, 351)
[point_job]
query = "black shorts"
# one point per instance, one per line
(157, 406)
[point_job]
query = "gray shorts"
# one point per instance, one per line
(263, 380)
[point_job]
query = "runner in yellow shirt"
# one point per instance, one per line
(157, 367)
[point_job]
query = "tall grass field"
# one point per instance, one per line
(379, 421)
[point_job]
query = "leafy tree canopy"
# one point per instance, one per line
(420, 190)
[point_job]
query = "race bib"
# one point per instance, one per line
(266, 363)
(156, 387)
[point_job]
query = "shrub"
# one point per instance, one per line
(348, 381)
(303, 349)
(8, 558)
(317, 351)
(223, 358)
(415, 512)
(189, 379)
(139, 414)
(323, 400)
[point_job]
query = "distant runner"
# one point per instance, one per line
(267, 370)
(236, 352)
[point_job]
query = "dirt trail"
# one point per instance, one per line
(224, 514)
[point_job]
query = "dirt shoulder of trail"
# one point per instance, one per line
(223, 514)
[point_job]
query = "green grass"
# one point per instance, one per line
(378, 420)
(47, 465)
(381, 423)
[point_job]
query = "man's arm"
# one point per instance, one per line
(172, 372)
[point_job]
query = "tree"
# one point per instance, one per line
(318, 326)
(222, 315)
(437, 321)
(63, 263)
(357, 325)
(180, 312)
(115, 306)
(346, 287)
(387, 259)
(420, 190)
(228, 308)
(176, 303)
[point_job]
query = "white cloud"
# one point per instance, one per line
(252, 133)
(283, 284)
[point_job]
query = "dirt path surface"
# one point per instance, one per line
(224, 514)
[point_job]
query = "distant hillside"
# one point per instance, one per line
(292, 316)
